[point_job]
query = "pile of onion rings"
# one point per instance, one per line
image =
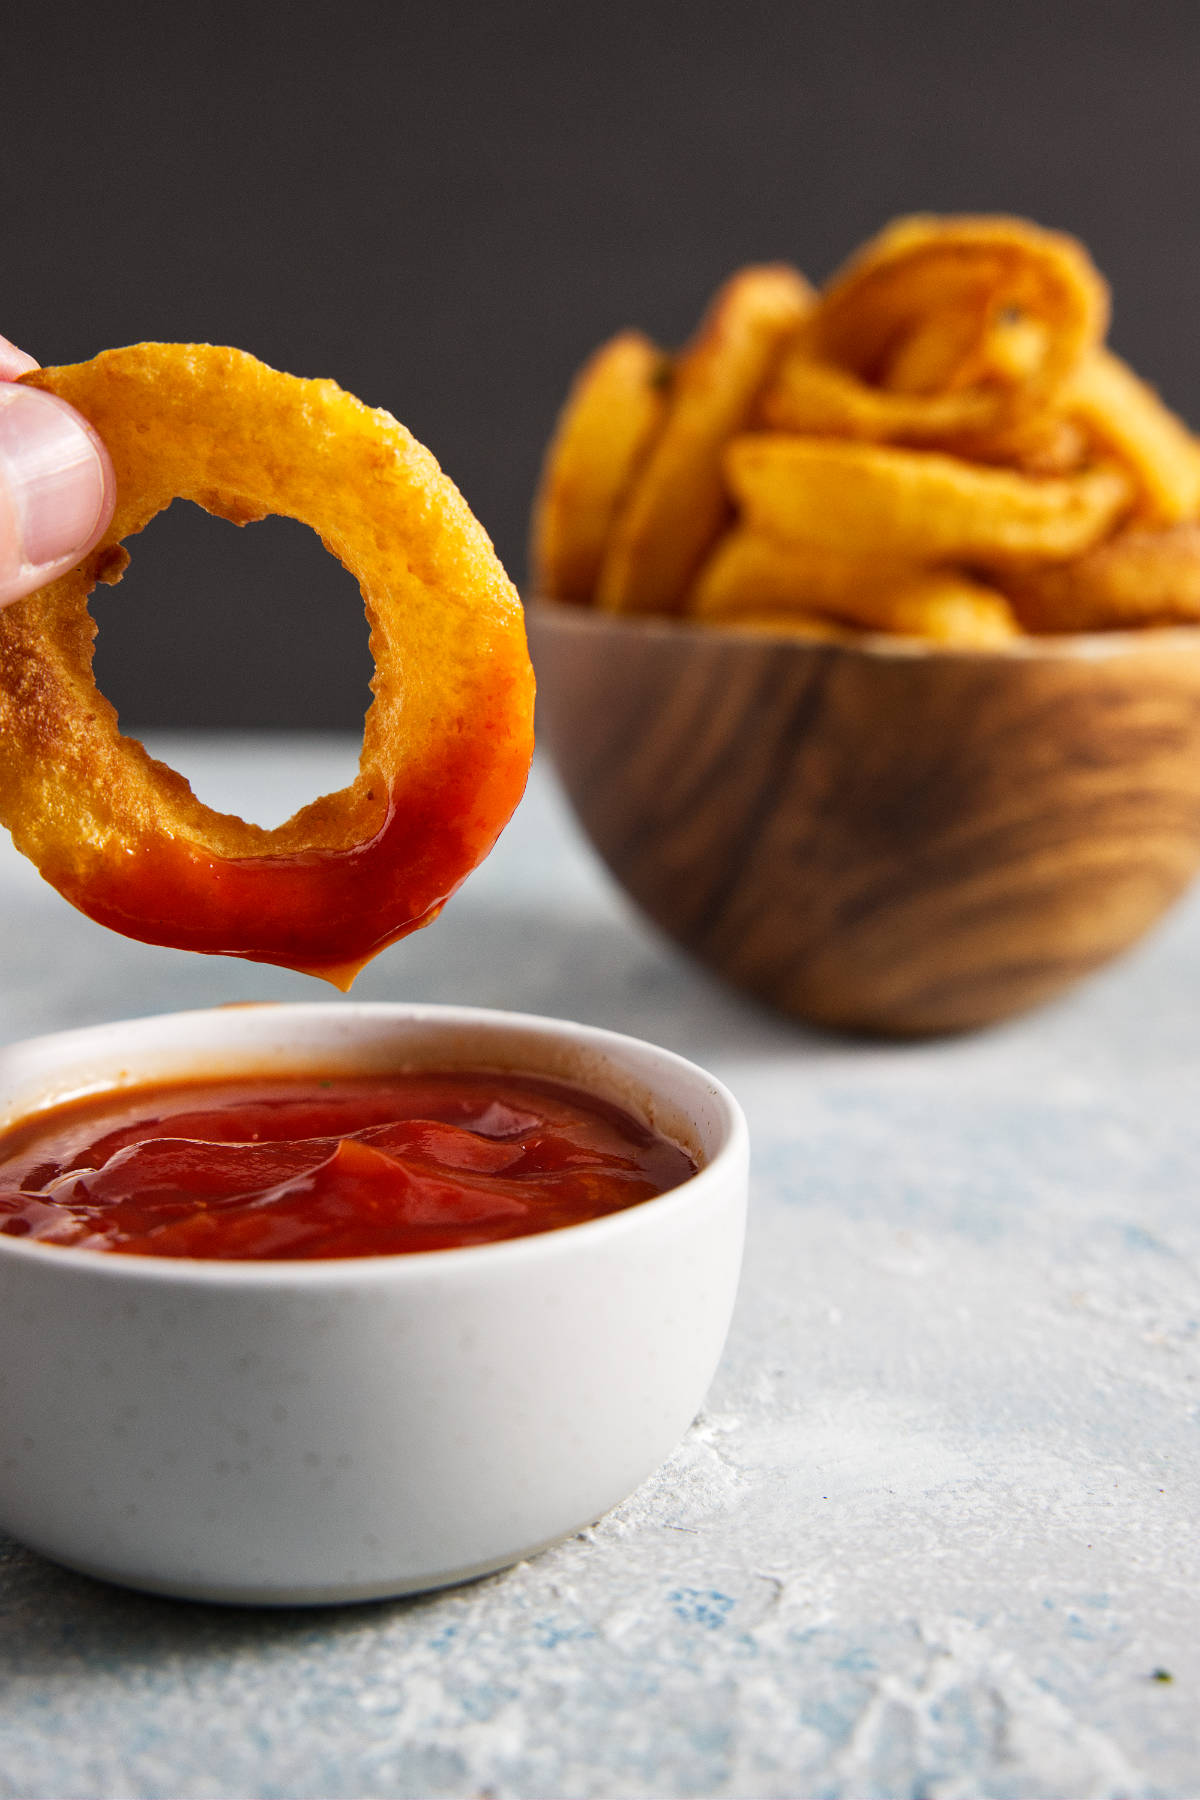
(937, 444)
(447, 738)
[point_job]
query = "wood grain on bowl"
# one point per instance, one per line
(881, 837)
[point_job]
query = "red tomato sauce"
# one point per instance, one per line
(327, 911)
(284, 1169)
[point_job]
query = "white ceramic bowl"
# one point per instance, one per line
(326, 1431)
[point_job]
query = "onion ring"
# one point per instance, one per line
(939, 329)
(971, 284)
(916, 505)
(1137, 578)
(1130, 423)
(604, 432)
(750, 577)
(678, 503)
(750, 571)
(447, 738)
(1040, 444)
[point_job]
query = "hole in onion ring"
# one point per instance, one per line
(232, 776)
(215, 627)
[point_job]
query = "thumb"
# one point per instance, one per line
(56, 489)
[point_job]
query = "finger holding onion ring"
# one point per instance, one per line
(56, 482)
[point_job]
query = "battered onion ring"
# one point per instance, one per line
(1137, 578)
(917, 506)
(751, 577)
(1040, 444)
(604, 432)
(447, 738)
(1131, 424)
(751, 572)
(941, 613)
(945, 607)
(941, 329)
(971, 285)
(816, 397)
(678, 504)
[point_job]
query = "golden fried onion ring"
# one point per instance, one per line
(678, 503)
(941, 328)
(978, 279)
(1129, 422)
(750, 571)
(604, 431)
(754, 578)
(937, 442)
(916, 506)
(447, 738)
(1137, 578)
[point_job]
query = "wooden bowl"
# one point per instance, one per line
(879, 836)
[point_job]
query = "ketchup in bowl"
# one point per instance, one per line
(295, 1168)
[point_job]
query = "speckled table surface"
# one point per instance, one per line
(935, 1531)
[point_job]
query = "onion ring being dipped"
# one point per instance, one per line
(447, 738)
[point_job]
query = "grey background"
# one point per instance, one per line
(445, 207)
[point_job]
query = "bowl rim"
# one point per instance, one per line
(411, 1267)
(1081, 646)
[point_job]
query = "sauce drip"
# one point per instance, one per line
(274, 1170)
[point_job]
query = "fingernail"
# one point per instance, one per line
(14, 362)
(58, 477)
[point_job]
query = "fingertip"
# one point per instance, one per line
(57, 489)
(14, 362)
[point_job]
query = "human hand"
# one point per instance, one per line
(56, 482)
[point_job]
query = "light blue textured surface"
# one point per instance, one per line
(934, 1532)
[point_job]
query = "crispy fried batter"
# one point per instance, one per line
(603, 435)
(939, 329)
(1138, 578)
(915, 506)
(943, 422)
(1130, 423)
(750, 575)
(750, 571)
(678, 502)
(940, 304)
(447, 738)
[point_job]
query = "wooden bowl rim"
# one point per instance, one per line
(1097, 646)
